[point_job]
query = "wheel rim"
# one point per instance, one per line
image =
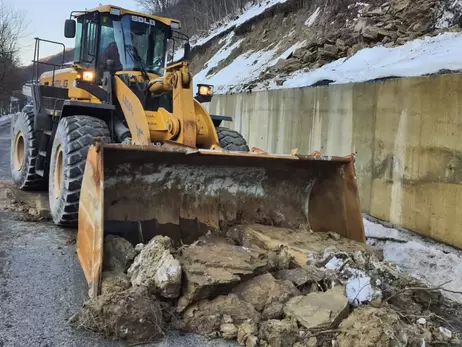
(19, 151)
(58, 176)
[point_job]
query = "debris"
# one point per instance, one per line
(228, 331)
(263, 290)
(446, 332)
(114, 282)
(299, 276)
(422, 321)
(118, 253)
(275, 310)
(247, 331)
(279, 333)
(321, 310)
(377, 327)
(213, 267)
(206, 316)
(297, 244)
(156, 268)
(131, 315)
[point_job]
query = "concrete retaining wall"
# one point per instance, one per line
(406, 134)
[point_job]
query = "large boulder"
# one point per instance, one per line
(131, 315)
(206, 317)
(319, 310)
(264, 290)
(118, 253)
(157, 269)
(216, 267)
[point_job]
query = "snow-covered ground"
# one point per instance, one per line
(424, 259)
(415, 58)
(250, 11)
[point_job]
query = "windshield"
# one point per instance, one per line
(133, 43)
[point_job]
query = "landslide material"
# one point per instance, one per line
(184, 192)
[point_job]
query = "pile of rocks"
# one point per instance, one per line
(341, 31)
(266, 286)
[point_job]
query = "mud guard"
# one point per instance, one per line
(183, 192)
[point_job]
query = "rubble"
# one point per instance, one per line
(118, 253)
(378, 327)
(264, 290)
(278, 333)
(207, 316)
(214, 267)
(114, 282)
(267, 286)
(156, 268)
(133, 315)
(322, 310)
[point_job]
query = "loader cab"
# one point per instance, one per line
(113, 39)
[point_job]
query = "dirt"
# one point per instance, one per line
(114, 282)
(118, 253)
(267, 286)
(132, 315)
(26, 206)
(207, 316)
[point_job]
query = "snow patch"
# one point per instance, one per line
(425, 259)
(415, 58)
(250, 11)
(312, 19)
(241, 70)
(359, 289)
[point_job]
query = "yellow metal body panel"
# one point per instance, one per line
(134, 113)
(64, 78)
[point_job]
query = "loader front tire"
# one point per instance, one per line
(74, 136)
(24, 152)
(231, 140)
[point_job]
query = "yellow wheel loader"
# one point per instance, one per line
(126, 147)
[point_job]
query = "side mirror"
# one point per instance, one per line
(69, 28)
(187, 51)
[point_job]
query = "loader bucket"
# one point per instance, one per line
(182, 192)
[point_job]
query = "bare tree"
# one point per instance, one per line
(12, 28)
(196, 15)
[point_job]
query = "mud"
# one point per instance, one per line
(132, 315)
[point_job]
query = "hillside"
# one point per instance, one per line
(292, 43)
(296, 43)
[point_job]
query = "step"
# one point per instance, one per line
(40, 172)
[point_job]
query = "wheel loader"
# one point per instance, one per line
(123, 144)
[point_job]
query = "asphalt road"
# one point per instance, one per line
(42, 285)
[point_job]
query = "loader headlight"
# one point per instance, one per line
(88, 76)
(205, 90)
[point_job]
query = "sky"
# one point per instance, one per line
(45, 19)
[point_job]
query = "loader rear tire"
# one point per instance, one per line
(24, 152)
(74, 136)
(231, 140)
